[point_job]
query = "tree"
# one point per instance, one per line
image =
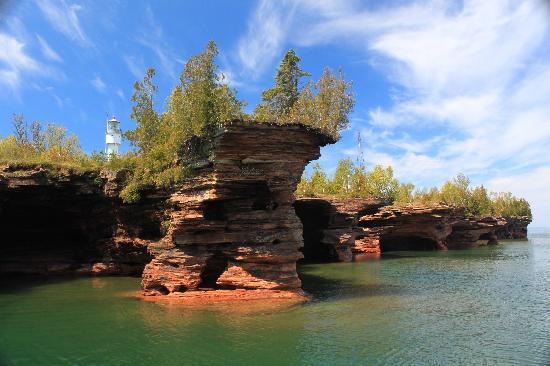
(38, 140)
(381, 183)
(479, 203)
(341, 183)
(456, 192)
(404, 194)
(325, 104)
(318, 180)
(202, 102)
(20, 129)
(143, 112)
(197, 107)
(278, 100)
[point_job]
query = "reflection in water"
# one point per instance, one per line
(480, 306)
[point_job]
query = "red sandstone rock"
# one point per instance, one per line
(467, 232)
(234, 226)
(515, 228)
(330, 226)
(61, 221)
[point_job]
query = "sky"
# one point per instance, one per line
(441, 87)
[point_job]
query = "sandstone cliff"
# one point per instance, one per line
(60, 221)
(234, 226)
(515, 228)
(346, 229)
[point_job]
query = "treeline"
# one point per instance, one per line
(34, 143)
(351, 180)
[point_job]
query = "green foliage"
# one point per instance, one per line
(351, 181)
(52, 146)
(201, 102)
(506, 205)
(197, 107)
(341, 183)
(324, 104)
(277, 101)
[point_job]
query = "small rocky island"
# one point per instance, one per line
(234, 230)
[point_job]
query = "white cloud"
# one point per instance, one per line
(14, 61)
(267, 30)
(529, 185)
(473, 80)
(120, 93)
(98, 84)
(64, 18)
(136, 66)
(47, 51)
(153, 38)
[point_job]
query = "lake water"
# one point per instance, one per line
(483, 306)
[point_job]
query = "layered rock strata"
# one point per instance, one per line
(406, 228)
(234, 226)
(60, 221)
(467, 233)
(515, 228)
(346, 229)
(330, 226)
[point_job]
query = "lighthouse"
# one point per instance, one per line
(113, 137)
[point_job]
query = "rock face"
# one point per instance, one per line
(346, 229)
(407, 228)
(234, 225)
(467, 232)
(58, 221)
(330, 226)
(515, 228)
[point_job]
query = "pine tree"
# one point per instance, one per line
(278, 100)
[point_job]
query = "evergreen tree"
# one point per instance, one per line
(278, 100)
(143, 112)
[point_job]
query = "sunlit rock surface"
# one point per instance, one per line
(234, 225)
(331, 229)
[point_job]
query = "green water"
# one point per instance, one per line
(484, 306)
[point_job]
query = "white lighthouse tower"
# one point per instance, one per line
(113, 137)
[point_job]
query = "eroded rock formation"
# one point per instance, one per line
(346, 229)
(59, 221)
(234, 226)
(407, 228)
(467, 232)
(515, 228)
(330, 226)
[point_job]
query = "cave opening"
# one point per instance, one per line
(215, 265)
(390, 243)
(214, 210)
(315, 216)
(47, 230)
(263, 197)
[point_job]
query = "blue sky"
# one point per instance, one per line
(442, 87)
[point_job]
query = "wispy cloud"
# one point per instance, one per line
(98, 84)
(153, 38)
(472, 80)
(136, 66)
(120, 94)
(47, 51)
(14, 61)
(64, 18)
(267, 30)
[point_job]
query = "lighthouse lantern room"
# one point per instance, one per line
(113, 137)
